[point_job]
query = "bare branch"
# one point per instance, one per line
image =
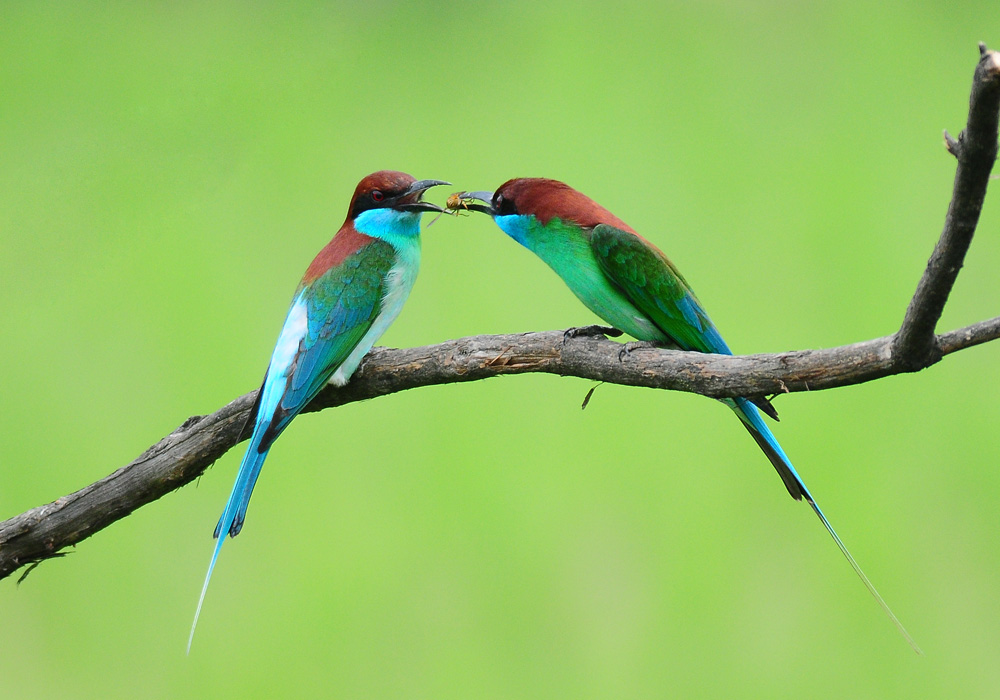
(977, 333)
(188, 451)
(976, 151)
(182, 456)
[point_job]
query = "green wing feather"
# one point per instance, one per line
(342, 304)
(654, 285)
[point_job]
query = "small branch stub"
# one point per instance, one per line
(951, 144)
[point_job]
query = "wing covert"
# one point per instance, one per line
(341, 305)
(654, 285)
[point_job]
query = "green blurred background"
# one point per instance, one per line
(168, 170)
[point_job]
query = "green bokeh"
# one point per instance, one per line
(168, 170)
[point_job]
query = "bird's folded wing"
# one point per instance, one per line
(341, 305)
(653, 284)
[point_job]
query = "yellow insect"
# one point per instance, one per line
(457, 204)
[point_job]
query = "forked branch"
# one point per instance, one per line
(182, 456)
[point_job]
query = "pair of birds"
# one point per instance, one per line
(357, 285)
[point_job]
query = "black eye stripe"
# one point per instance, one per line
(377, 198)
(503, 205)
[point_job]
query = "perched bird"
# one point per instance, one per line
(632, 285)
(350, 294)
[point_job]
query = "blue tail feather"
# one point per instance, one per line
(232, 518)
(751, 419)
(235, 512)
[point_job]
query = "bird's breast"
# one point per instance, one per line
(399, 281)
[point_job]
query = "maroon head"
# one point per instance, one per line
(544, 199)
(391, 189)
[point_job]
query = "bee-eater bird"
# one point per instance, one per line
(350, 294)
(632, 285)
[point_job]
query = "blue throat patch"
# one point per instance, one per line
(388, 224)
(516, 226)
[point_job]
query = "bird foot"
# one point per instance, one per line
(627, 348)
(591, 331)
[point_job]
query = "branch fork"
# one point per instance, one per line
(182, 456)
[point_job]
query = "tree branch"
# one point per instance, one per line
(976, 151)
(182, 456)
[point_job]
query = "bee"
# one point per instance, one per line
(457, 204)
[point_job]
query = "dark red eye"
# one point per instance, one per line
(377, 196)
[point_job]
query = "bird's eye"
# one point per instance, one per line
(377, 196)
(503, 206)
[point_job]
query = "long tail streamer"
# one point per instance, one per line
(751, 418)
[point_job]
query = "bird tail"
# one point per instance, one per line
(233, 515)
(750, 417)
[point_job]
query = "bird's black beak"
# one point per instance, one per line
(459, 201)
(411, 199)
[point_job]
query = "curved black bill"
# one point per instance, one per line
(411, 201)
